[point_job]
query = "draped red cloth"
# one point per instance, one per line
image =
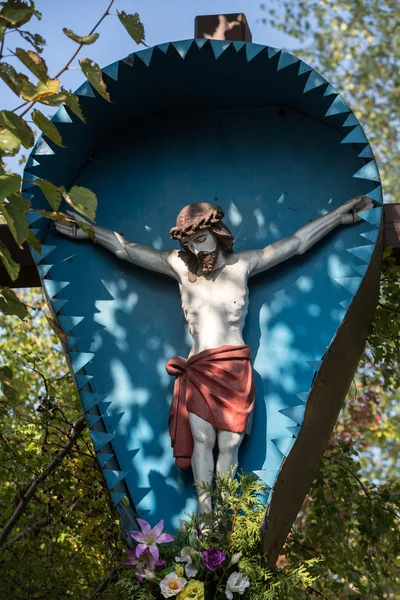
(216, 385)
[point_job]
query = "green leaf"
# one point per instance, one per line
(5, 373)
(51, 192)
(39, 92)
(133, 26)
(16, 13)
(36, 40)
(81, 39)
(18, 127)
(11, 266)
(125, 502)
(94, 75)
(11, 78)
(33, 62)
(7, 388)
(34, 242)
(14, 212)
(72, 101)
(10, 183)
(82, 200)
(167, 571)
(9, 143)
(10, 303)
(48, 128)
(388, 251)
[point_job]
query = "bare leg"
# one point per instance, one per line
(228, 446)
(204, 436)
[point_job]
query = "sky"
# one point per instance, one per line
(164, 20)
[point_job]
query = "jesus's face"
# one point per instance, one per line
(203, 244)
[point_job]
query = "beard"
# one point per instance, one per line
(208, 260)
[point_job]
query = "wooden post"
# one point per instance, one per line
(232, 27)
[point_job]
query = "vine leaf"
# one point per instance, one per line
(36, 40)
(18, 127)
(70, 99)
(81, 39)
(34, 63)
(82, 200)
(14, 212)
(10, 183)
(10, 304)
(94, 75)
(9, 143)
(17, 13)
(7, 388)
(11, 266)
(132, 25)
(11, 78)
(51, 192)
(48, 128)
(34, 242)
(33, 93)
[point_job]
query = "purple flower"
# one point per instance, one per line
(149, 537)
(146, 562)
(213, 557)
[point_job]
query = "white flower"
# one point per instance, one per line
(186, 557)
(237, 583)
(171, 585)
(235, 558)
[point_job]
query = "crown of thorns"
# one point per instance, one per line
(190, 226)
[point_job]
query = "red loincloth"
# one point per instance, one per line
(216, 385)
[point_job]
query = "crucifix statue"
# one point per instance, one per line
(214, 388)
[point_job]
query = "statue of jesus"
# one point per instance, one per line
(214, 388)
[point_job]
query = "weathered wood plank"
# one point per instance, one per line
(323, 407)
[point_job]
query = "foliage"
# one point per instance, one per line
(60, 536)
(15, 130)
(68, 537)
(232, 533)
(351, 516)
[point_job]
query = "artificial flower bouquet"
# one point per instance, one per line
(212, 557)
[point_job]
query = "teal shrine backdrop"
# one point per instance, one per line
(248, 127)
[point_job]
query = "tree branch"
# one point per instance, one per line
(34, 527)
(78, 427)
(65, 67)
(103, 584)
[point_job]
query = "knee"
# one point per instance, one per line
(204, 439)
(229, 445)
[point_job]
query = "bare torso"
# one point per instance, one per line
(215, 305)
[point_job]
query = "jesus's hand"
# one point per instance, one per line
(71, 229)
(349, 210)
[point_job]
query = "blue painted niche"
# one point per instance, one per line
(257, 131)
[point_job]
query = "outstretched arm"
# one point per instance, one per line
(138, 254)
(307, 236)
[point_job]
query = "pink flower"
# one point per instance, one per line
(149, 537)
(146, 562)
